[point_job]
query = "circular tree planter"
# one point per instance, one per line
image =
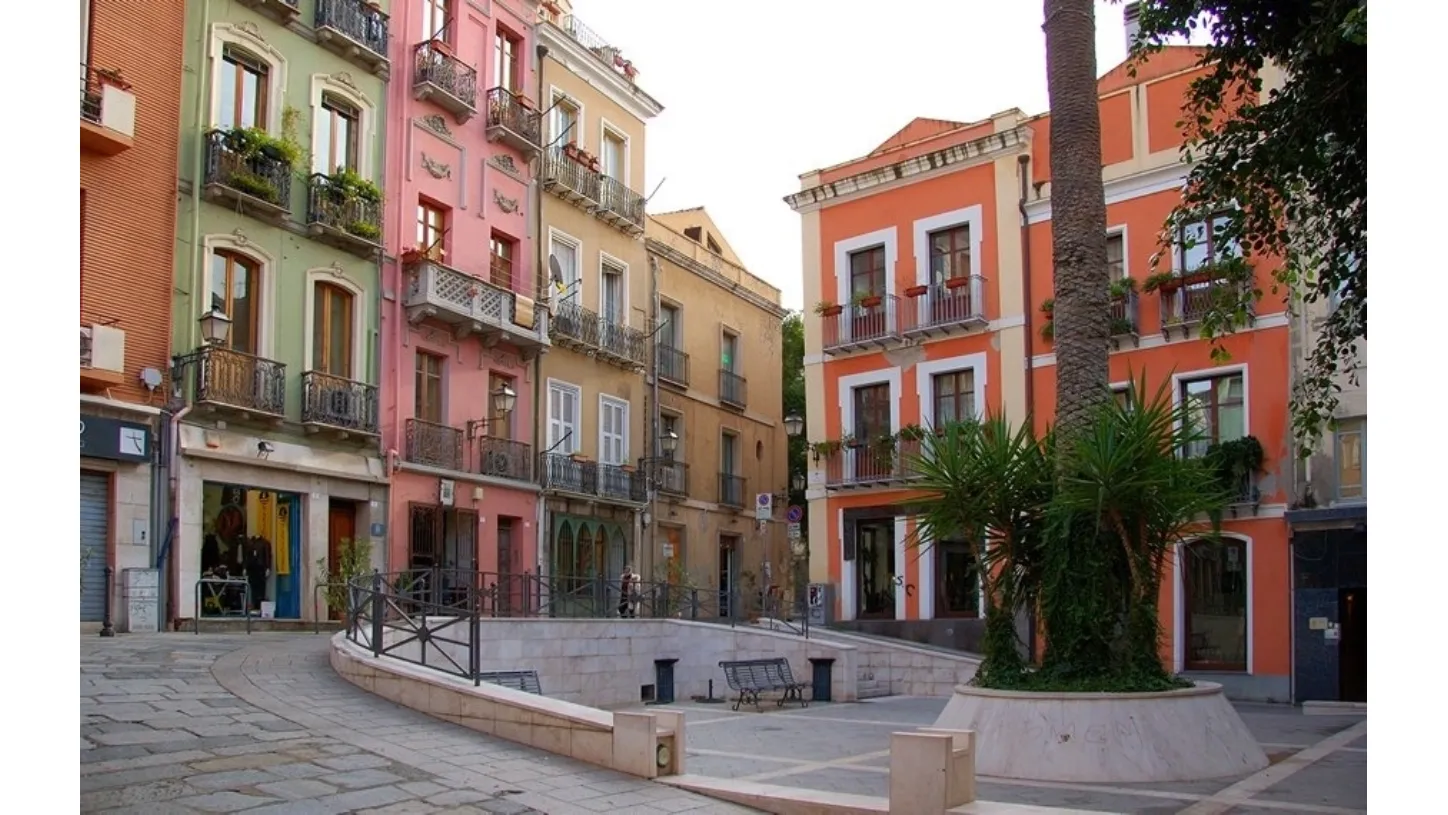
(1178, 735)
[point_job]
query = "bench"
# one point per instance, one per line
(526, 681)
(751, 677)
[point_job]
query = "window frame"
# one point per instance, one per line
(333, 107)
(1182, 246)
(607, 132)
(426, 208)
(953, 253)
(254, 268)
(508, 255)
(423, 378)
(1121, 270)
(729, 341)
(861, 432)
(572, 289)
(430, 28)
(507, 54)
(608, 264)
(571, 425)
(1358, 428)
(962, 398)
(870, 272)
(1185, 586)
(675, 422)
(322, 317)
(1215, 406)
(729, 460)
(942, 609)
(242, 62)
(500, 420)
(621, 409)
(562, 102)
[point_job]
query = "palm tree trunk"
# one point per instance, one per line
(1078, 215)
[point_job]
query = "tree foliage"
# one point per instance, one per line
(1294, 162)
(792, 330)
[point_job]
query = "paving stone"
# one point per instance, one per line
(296, 788)
(457, 797)
(143, 760)
(357, 779)
(125, 778)
(103, 754)
(299, 769)
(143, 736)
(231, 779)
(135, 794)
(357, 761)
(227, 801)
(402, 808)
(370, 798)
(423, 789)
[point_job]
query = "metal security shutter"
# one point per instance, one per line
(95, 502)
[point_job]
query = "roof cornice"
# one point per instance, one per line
(588, 67)
(689, 264)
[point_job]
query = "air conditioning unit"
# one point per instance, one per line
(103, 348)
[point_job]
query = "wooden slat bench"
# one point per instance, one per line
(526, 681)
(751, 677)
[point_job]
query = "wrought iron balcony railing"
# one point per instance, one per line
(621, 343)
(574, 326)
(873, 321)
(86, 345)
(1125, 315)
(672, 364)
(356, 20)
(505, 458)
(731, 490)
(339, 403)
(90, 94)
(619, 205)
(560, 471)
(222, 377)
(236, 168)
(872, 464)
(670, 477)
(622, 483)
(513, 121)
(433, 445)
(1185, 302)
(468, 304)
(343, 215)
(733, 388)
(943, 308)
(584, 36)
(569, 179)
(445, 79)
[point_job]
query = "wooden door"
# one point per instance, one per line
(341, 526)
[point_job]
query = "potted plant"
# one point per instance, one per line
(916, 291)
(827, 308)
(850, 442)
(1121, 287)
(1121, 325)
(580, 457)
(1236, 462)
(866, 300)
(570, 150)
(1048, 328)
(824, 449)
(911, 432)
(957, 282)
(1163, 281)
(628, 468)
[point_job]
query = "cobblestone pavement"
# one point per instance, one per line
(177, 723)
(1319, 763)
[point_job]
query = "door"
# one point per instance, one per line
(875, 567)
(287, 557)
(873, 456)
(728, 550)
(1352, 656)
(95, 509)
(341, 531)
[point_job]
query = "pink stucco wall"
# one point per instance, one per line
(476, 192)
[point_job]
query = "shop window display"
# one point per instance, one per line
(251, 535)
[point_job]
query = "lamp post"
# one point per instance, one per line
(793, 424)
(668, 442)
(504, 398)
(215, 327)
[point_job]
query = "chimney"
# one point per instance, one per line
(1131, 20)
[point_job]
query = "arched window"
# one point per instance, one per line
(243, 89)
(1214, 602)
(563, 549)
(332, 322)
(235, 290)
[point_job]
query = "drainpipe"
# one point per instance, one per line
(173, 572)
(1024, 164)
(541, 538)
(655, 420)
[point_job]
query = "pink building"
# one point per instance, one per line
(459, 323)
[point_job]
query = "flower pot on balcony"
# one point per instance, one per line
(579, 457)
(871, 301)
(628, 468)
(916, 291)
(831, 311)
(956, 282)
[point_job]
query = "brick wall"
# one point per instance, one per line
(129, 218)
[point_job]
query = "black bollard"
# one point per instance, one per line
(107, 629)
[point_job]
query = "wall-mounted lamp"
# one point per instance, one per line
(264, 449)
(504, 399)
(797, 482)
(793, 424)
(215, 327)
(669, 442)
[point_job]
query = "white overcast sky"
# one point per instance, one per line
(811, 83)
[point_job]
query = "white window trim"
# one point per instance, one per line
(847, 386)
(359, 318)
(556, 94)
(925, 383)
(605, 399)
(1120, 229)
(971, 216)
(605, 127)
(574, 443)
(843, 248)
(563, 237)
(1360, 427)
(223, 34)
(605, 258)
(266, 329)
(367, 124)
(1179, 609)
(1177, 380)
(1178, 251)
(848, 599)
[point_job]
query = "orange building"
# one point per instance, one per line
(130, 103)
(928, 265)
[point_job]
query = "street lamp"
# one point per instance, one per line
(503, 400)
(793, 424)
(669, 442)
(797, 482)
(215, 326)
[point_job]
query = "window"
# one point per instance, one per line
(612, 158)
(669, 326)
(669, 423)
(867, 271)
(507, 73)
(949, 253)
(1352, 482)
(565, 119)
(332, 330)
(1217, 407)
(1202, 244)
(728, 453)
(1214, 589)
(500, 425)
(613, 310)
(612, 431)
(1122, 395)
(957, 592)
(337, 136)
(872, 412)
(427, 396)
(502, 249)
(1116, 255)
(729, 352)
(243, 90)
(713, 245)
(431, 228)
(566, 253)
(954, 396)
(236, 292)
(563, 419)
(436, 20)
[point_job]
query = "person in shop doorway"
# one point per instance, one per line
(628, 593)
(256, 563)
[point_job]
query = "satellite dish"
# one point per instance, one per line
(555, 271)
(151, 378)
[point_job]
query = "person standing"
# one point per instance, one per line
(628, 588)
(256, 562)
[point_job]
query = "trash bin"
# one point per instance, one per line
(824, 675)
(141, 593)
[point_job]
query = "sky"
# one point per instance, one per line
(757, 92)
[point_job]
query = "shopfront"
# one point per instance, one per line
(116, 447)
(253, 537)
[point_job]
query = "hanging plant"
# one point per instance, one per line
(1236, 462)
(1122, 286)
(1121, 325)
(1164, 281)
(826, 308)
(825, 448)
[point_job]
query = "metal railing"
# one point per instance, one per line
(90, 94)
(435, 65)
(622, 342)
(364, 24)
(339, 402)
(872, 464)
(669, 476)
(505, 458)
(572, 321)
(565, 473)
(731, 490)
(86, 345)
(622, 483)
(256, 174)
(671, 363)
(615, 197)
(858, 324)
(1125, 314)
(733, 388)
(958, 302)
(433, 445)
(561, 171)
(331, 205)
(221, 376)
(1188, 304)
(506, 109)
(224, 592)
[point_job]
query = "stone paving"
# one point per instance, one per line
(1319, 763)
(177, 723)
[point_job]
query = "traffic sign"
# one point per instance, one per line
(795, 514)
(794, 530)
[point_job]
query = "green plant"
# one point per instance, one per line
(1157, 280)
(364, 229)
(825, 448)
(824, 305)
(1122, 286)
(1121, 325)
(911, 432)
(1048, 330)
(1048, 306)
(348, 185)
(254, 185)
(1235, 462)
(354, 559)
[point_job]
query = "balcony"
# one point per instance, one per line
(340, 405)
(470, 305)
(584, 36)
(578, 476)
(107, 112)
(621, 345)
(505, 458)
(240, 173)
(221, 379)
(513, 121)
(102, 357)
(733, 389)
(731, 490)
(873, 322)
(343, 217)
(444, 79)
(619, 206)
(1186, 299)
(672, 365)
(1125, 319)
(574, 327)
(670, 477)
(952, 307)
(883, 463)
(283, 11)
(433, 445)
(570, 180)
(356, 31)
